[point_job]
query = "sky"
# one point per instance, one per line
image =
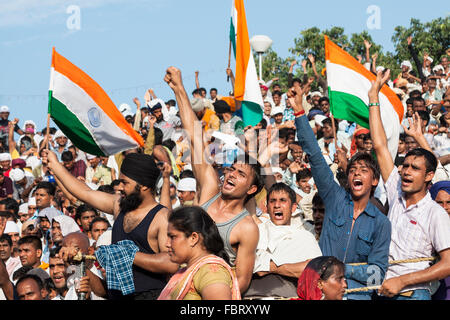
(126, 45)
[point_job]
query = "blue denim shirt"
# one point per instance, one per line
(371, 235)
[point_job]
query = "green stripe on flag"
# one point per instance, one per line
(78, 134)
(348, 107)
(233, 36)
(252, 113)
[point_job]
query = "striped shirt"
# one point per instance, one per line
(418, 231)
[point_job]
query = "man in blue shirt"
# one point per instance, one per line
(354, 230)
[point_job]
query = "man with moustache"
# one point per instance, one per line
(354, 230)
(419, 225)
(138, 217)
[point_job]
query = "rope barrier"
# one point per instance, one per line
(398, 261)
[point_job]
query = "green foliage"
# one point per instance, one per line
(432, 37)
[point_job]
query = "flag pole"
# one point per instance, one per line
(229, 59)
(334, 131)
(48, 130)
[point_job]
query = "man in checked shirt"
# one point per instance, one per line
(420, 227)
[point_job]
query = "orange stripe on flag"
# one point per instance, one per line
(78, 76)
(336, 55)
(243, 51)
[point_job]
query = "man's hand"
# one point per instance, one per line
(311, 58)
(137, 102)
(166, 170)
(415, 126)
(49, 158)
(84, 286)
(391, 287)
(173, 78)
(295, 167)
(367, 44)
(229, 72)
(409, 40)
(304, 62)
(382, 78)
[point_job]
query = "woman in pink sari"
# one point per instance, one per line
(194, 241)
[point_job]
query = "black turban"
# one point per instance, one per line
(141, 168)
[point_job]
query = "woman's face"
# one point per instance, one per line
(334, 287)
(178, 245)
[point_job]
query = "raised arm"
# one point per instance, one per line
(197, 83)
(105, 202)
(204, 172)
(377, 132)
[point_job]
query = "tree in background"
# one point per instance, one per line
(431, 37)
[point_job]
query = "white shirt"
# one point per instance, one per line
(417, 231)
(283, 244)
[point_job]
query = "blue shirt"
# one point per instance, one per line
(371, 235)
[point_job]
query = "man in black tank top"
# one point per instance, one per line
(138, 217)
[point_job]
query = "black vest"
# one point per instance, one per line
(143, 280)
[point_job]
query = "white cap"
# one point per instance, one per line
(23, 208)
(187, 166)
(11, 227)
(438, 67)
(4, 109)
(276, 110)
(31, 201)
(407, 64)
(318, 118)
(90, 156)
(58, 134)
(315, 93)
(429, 58)
(187, 184)
(5, 156)
(16, 174)
(277, 170)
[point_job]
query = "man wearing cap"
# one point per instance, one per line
(5, 163)
(186, 189)
(13, 231)
(96, 172)
(61, 144)
(138, 217)
(208, 117)
(4, 126)
(277, 116)
(21, 182)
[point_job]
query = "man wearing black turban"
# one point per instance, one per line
(137, 217)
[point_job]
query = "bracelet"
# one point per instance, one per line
(299, 113)
(374, 104)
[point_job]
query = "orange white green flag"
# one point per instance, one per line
(85, 113)
(348, 86)
(246, 85)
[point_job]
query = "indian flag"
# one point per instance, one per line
(348, 86)
(85, 113)
(246, 85)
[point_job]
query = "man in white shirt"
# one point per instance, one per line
(419, 225)
(283, 249)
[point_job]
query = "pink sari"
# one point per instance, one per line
(186, 277)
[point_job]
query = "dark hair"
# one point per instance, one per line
(54, 251)
(256, 168)
(11, 204)
(303, 174)
(317, 200)
(263, 123)
(430, 159)
(278, 93)
(34, 240)
(413, 94)
(187, 174)
(280, 186)
(212, 89)
(402, 137)
(48, 186)
(197, 91)
(106, 188)
(195, 219)
(98, 219)
(116, 182)
(424, 116)
(328, 122)
(171, 102)
(22, 271)
(82, 209)
(368, 160)
(158, 136)
(6, 237)
(66, 156)
(324, 99)
(169, 144)
(325, 266)
(419, 99)
(34, 277)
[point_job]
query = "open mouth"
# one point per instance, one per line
(357, 185)
(58, 278)
(278, 215)
(229, 184)
(406, 181)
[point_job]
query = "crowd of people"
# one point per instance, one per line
(299, 206)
